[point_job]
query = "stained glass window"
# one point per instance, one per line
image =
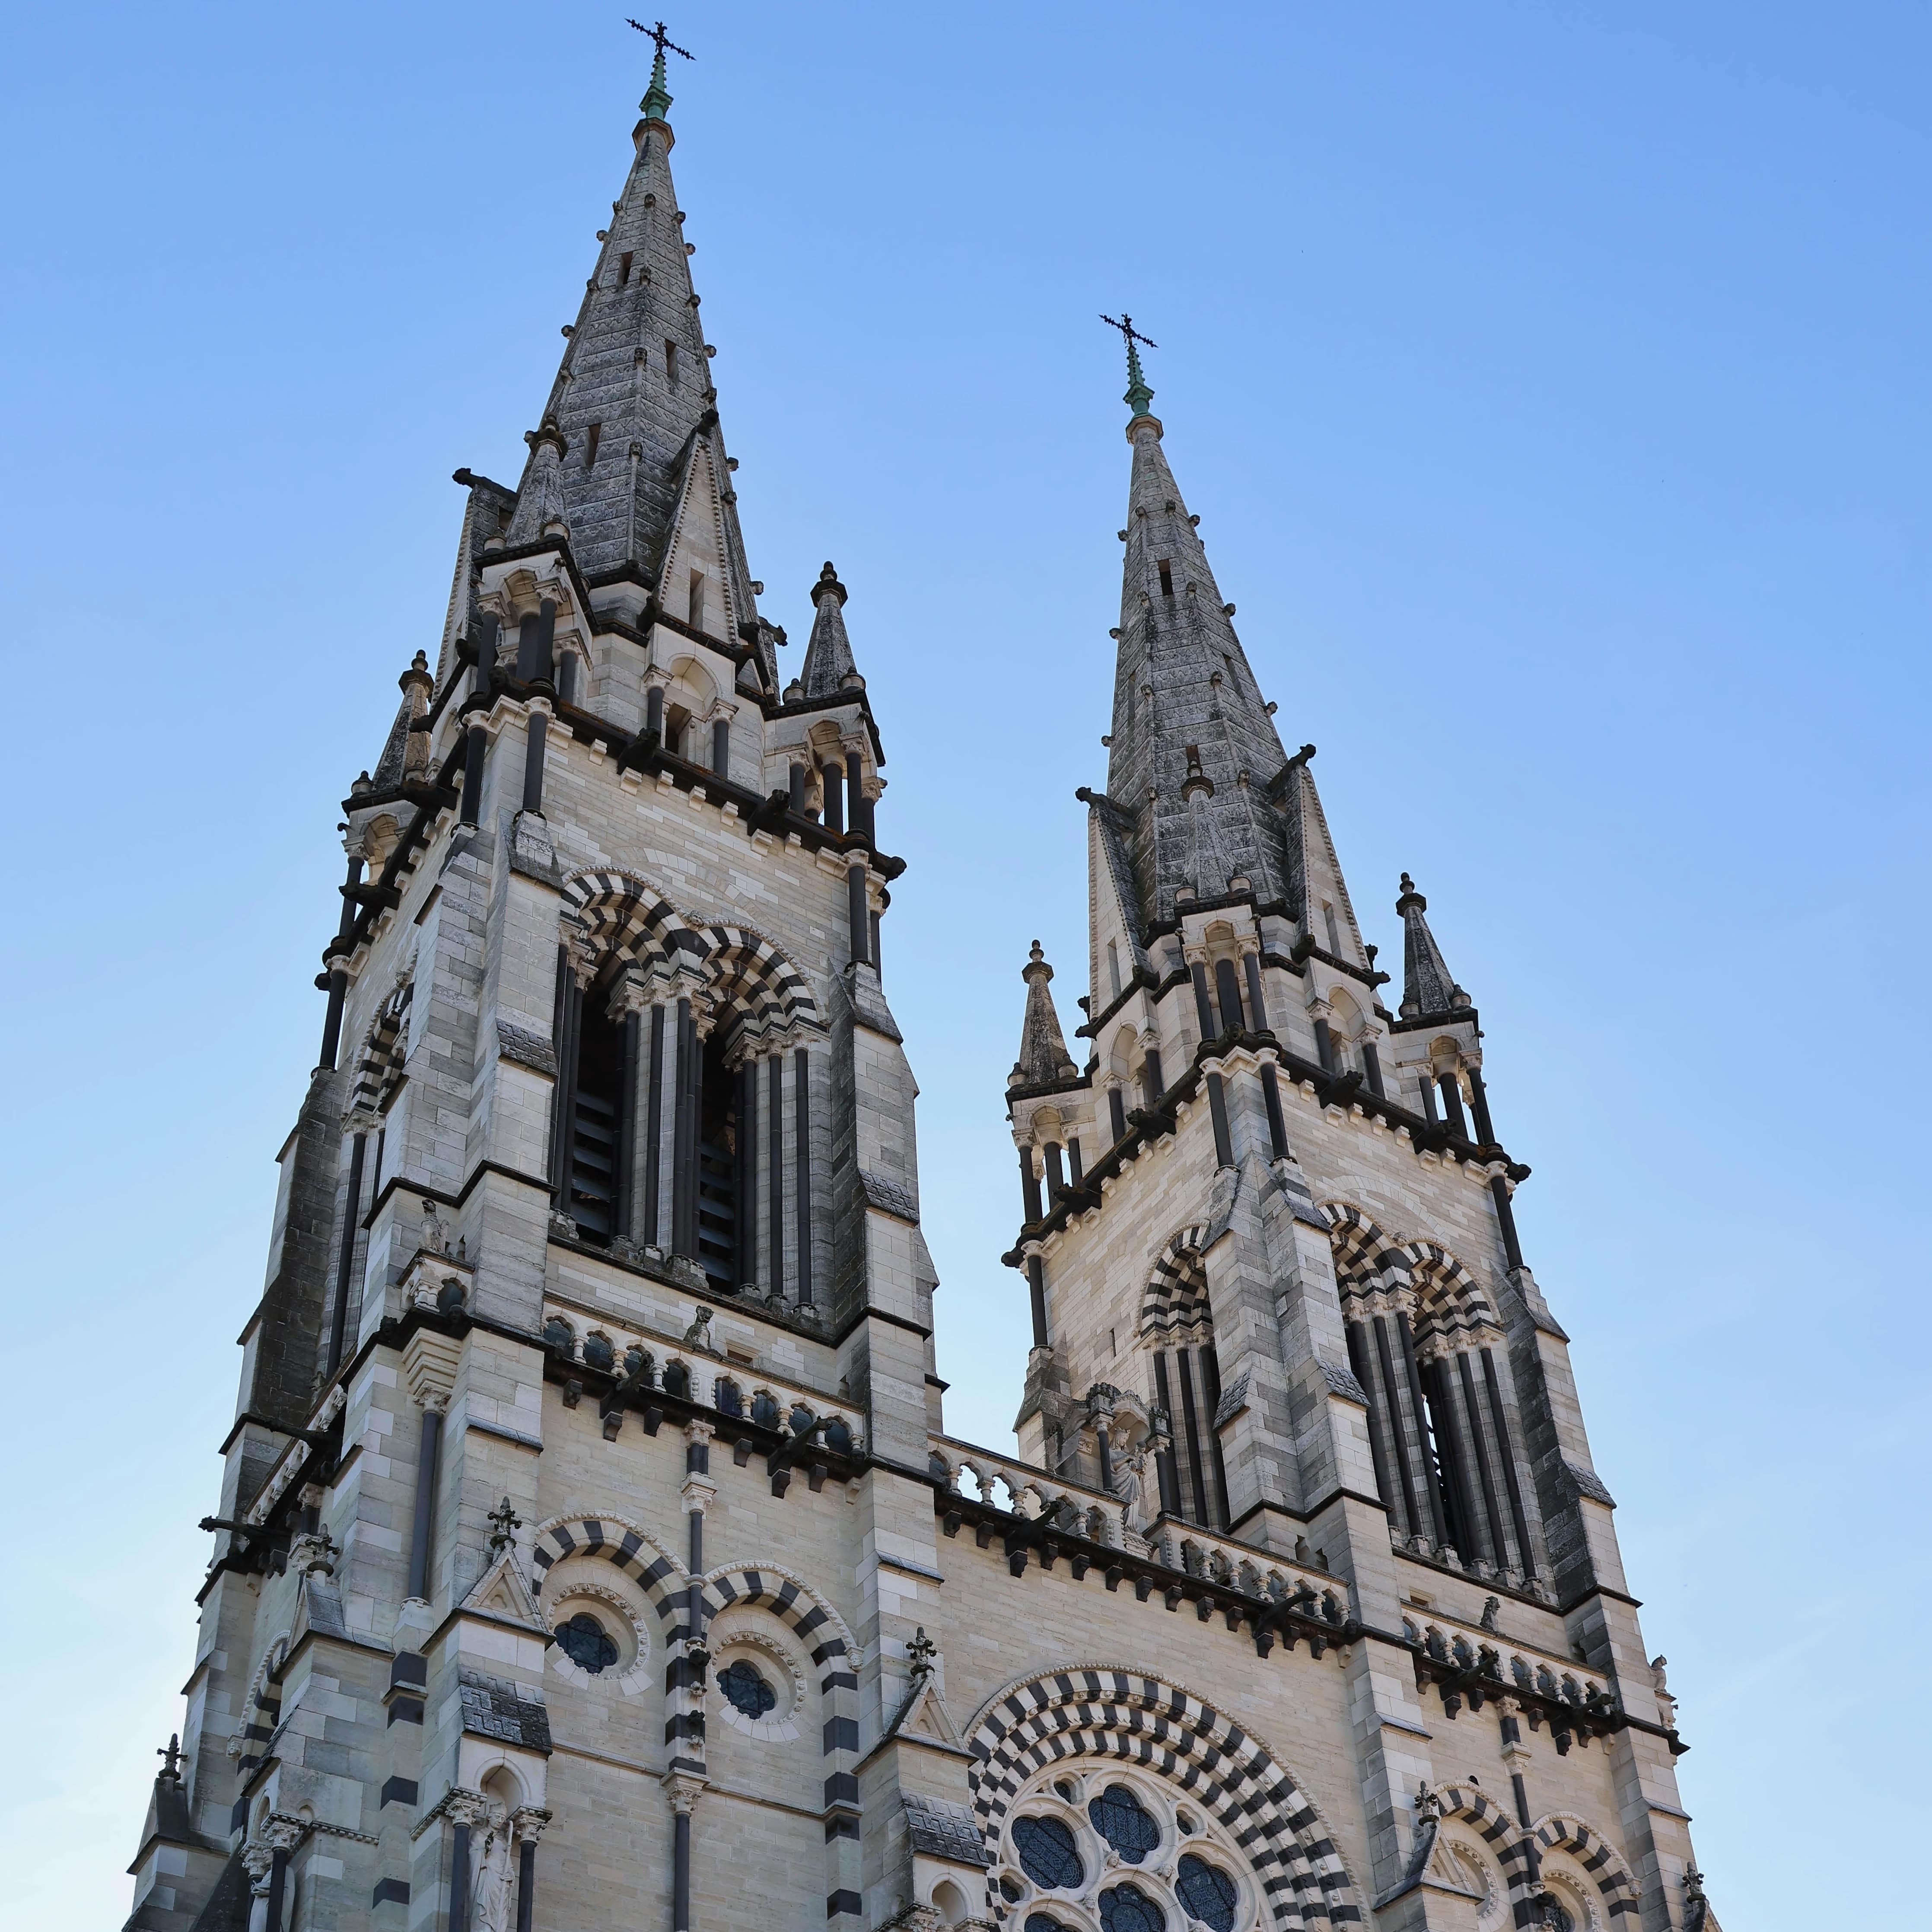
(1206, 1893)
(1125, 1823)
(586, 1643)
(745, 1689)
(1038, 1922)
(1047, 1854)
(1128, 1908)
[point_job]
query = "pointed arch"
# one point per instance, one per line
(1126, 1713)
(1176, 1295)
(378, 1065)
(1449, 1302)
(1561, 1831)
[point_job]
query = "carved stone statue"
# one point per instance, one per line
(1130, 1485)
(490, 1879)
(435, 1236)
(698, 1335)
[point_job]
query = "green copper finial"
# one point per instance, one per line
(657, 96)
(1138, 394)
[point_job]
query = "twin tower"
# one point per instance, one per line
(591, 1552)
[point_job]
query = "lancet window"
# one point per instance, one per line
(1177, 1332)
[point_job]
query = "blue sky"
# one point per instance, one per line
(1551, 384)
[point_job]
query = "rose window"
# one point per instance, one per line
(1115, 1850)
(586, 1643)
(746, 1689)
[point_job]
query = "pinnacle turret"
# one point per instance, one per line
(829, 667)
(1428, 991)
(1043, 1055)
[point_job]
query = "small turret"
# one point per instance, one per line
(1043, 1055)
(1428, 991)
(828, 667)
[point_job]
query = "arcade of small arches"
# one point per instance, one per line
(682, 1113)
(1558, 1873)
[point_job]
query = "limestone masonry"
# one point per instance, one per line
(591, 1552)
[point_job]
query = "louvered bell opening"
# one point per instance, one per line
(594, 1127)
(717, 1171)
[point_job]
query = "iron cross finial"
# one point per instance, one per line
(665, 44)
(172, 1769)
(504, 1523)
(1129, 333)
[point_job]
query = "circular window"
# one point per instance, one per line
(1128, 1908)
(588, 1645)
(1125, 1823)
(1206, 1893)
(1048, 1853)
(745, 1689)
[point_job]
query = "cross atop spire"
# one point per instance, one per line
(657, 96)
(1138, 394)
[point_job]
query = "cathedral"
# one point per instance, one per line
(591, 1552)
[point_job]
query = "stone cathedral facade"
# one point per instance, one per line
(591, 1552)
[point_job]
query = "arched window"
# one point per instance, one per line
(1177, 1328)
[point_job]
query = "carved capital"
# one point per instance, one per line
(682, 1787)
(464, 1807)
(530, 1821)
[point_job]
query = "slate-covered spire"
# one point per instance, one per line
(1428, 992)
(1043, 1055)
(627, 456)
(829, 666)
(1184, 700)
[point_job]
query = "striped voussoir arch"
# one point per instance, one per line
(617, 913)
(832, 1649)
(1117, 1712)
(1366, 1256)
(1508, 1846)
(1177, 1289)
(379, 1066)
(1449, 1301)
(1612, 1877)
(749, 974)
(660, 1575)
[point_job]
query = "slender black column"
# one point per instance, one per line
(534, 637)
(459, 1880)
(1506, 1449)
(1074, 1175)
(566, 694)
(1479, 1104)
(1506, 1220)
(831, 775)
(424, 1526)
(878, 965)
(1324, 1046)
(348, 886)
(684, 1139)
(1358, 1360)
(352, 1214)
(1277, 1126)
(1037, 1292)
(1116, 1112)
(802, 1090)
(654, 1128)
(625, 1179)
(331, 1019)
(864, 810)
(1427, 1087)
(1257, 999)
(535, 730)
(654, 714)
(680, 1882)
(1438, 1507)
(1398, 1431)
(1372, 1065)
(859, 911)
(1217, 1106)
(1165, 1471)
(1191, 1419)
(489, 635)
(1105, 1445)
(1056, 1175)
(1156, 1085)
(475, 745)
(775, 1166)
(798, 797)
(1030, 1186)
(1211, 1393)
(744, 1222)
(1499, 1542)
(565, 1144)
(1452, 1105)
(1455, 1458)
(278, 1886)
(1204, 1007)
(1228, 989)
(720, 746)
(526, 1885)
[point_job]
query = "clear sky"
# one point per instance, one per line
(1552, 383)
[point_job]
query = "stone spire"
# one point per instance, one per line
(828, 665)
(1193, 748)
(632, 417)
(1428, 992)
(1043, 1055)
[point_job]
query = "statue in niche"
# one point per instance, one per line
(489, 1884)
(1130, 1485)
(435, 1236)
